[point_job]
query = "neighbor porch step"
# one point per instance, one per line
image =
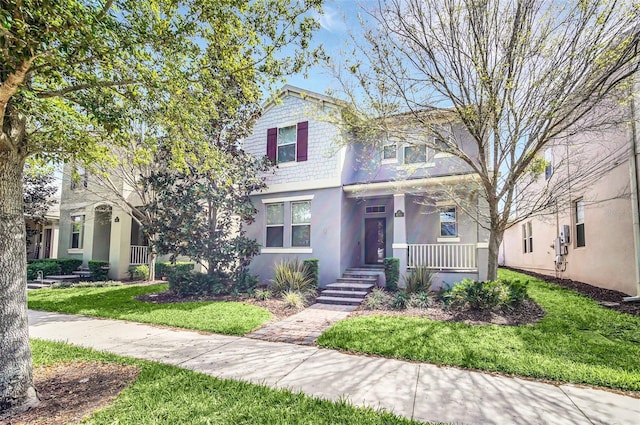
(82, 273)
(63, 277)
(349, 279)
(339, 300)
(343, 294)
(350, 286)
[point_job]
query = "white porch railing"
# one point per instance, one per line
(138, 255)
(442, 256)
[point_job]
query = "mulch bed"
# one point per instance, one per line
(605, 297)
(528, 312)
(276, 306)
(70, 392)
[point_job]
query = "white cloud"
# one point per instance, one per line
(331, 20)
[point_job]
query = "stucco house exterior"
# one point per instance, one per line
(42, 241)
(353, 204)
(590, 232)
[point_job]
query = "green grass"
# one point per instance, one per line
(169, 395)
(577, 341)
(229, 318)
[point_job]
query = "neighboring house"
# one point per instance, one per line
(351, 205)
(590, 232)
(94, 228)
(42, 238)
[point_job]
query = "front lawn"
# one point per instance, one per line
(577, 341)
(231, 318)
(169, 395)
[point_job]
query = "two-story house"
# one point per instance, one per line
(353, 204)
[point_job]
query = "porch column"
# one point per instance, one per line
(399, 246)
(120, 244)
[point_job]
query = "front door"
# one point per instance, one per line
(375, 230)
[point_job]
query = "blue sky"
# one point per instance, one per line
(339, 20)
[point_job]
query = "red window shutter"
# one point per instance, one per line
(272, 144)
(303, 141)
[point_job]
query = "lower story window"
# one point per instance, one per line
(77, 227)
(527, 236)
(448, 222)
(580, 239)
(275, 225)
(301, 223)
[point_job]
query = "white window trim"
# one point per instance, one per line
(287, 199)
(266, 226)
(75, 251)
(80, 236)
(414, 164)
(389, 160)
(448, 239)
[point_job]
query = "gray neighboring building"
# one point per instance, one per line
(351, 205)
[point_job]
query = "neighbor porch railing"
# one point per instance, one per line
(442, 256)
(138, 255)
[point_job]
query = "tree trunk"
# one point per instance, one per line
(152, 263)
(495, 239)
(16, 382)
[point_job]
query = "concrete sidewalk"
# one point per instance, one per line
(420, 391)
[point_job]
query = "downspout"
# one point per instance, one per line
(635, 195)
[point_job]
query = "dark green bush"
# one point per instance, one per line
(189, 283)
(475, 295)
(48, 267)
(164, 268)
(400, 301)
(245, 282)
(68, 265)
(99, 269)
(314, 269)
(391, 273)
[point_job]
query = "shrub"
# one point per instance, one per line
(100, 284)
(400, 301)
(391, 273)
(419, 280)
(293, 299)
(377, 299)
(189, 283)
(487, 295)
(245, 281)
(68, 265)
(420, 300)
(139, 272)
(314, 269)
(47, 267)
(164, 268)
(99, 269)
(262, 294)
(292, 275)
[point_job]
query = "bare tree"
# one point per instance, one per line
(516, 76)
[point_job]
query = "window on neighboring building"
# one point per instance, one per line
(77, 229)
(579, 207)
(301, 223)
(390, 152)
(288, 143)
(448, 222)
(527, 237)
(374, 209)
(275, 225)
(415, 154)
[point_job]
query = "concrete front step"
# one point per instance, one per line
(368, 279)
(63, 277)
(350, 286)
(343, 294)
(38, 285)
(82, 273)
(338, 300)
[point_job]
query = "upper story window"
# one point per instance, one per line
(390, 152)
(579, 217)
(288, 143)
(79, 178)
(448, 222)
(548, 158)
(415, 154)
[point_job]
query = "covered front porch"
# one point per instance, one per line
(420, 229)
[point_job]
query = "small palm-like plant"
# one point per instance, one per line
(419, 280)
(292, 275)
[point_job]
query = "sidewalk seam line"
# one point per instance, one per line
(207, 352)
(297, 366)
(415, 392)
(574, 403)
